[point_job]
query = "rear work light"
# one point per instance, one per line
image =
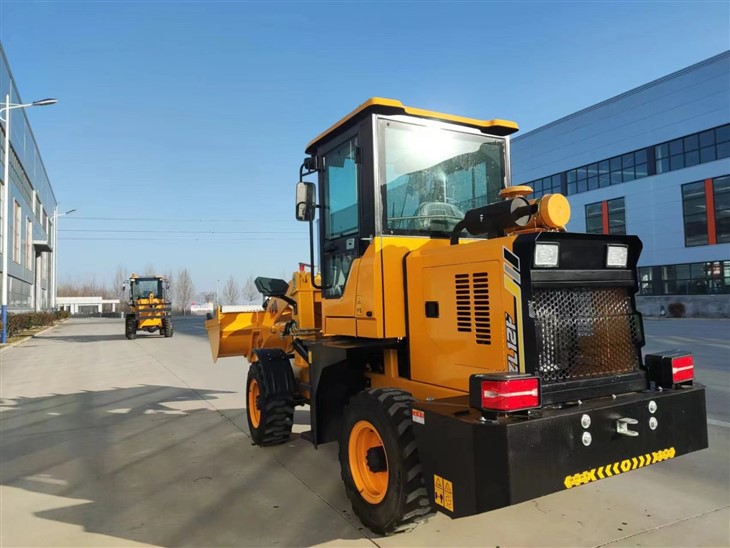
(504, 393)
(671, 368)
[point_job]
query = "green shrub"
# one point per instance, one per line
(18, 323)
(676, 310)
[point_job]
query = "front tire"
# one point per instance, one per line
(167, 327)
(270, 417)
(130, 328)
(379, 461)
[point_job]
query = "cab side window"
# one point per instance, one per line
(341, 195)
(340, 216)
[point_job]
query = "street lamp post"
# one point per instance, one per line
(54, 262)
(6, 197)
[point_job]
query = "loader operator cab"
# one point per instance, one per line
(389, 170)
(146, 288)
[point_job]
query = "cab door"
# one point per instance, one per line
(340, 217)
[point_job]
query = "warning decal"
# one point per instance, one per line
(443, 492)
(419, 416)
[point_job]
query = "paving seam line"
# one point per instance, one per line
(8, 346)
(657, 528)
(270, 453)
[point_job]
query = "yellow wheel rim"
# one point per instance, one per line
(371, 485)
(254, 413)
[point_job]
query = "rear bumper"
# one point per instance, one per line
(471, 466)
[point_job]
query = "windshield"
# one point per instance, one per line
(143, 289)
(432, 176)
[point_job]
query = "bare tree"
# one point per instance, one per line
(206, 297)
(149, 270)
(171, 288)
(185, 290)
(87, 288)
(250, 293)
(231, 292)
(121, 278)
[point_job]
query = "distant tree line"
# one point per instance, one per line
(233, 293)
(181, 289)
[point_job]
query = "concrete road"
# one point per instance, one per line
(113, 442)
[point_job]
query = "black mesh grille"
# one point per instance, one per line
(585, 333)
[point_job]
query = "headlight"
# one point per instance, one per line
(546, 254)
(617, 256)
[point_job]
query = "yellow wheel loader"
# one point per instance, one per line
(149, 308)
(464, 349)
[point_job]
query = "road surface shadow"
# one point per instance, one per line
(85, 338)
(159, 465)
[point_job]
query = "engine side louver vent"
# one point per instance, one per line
(463, 302)
(482, 326)
(472, 306)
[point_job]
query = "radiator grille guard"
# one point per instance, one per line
(584, 333)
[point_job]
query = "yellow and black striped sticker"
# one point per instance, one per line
(618, 467)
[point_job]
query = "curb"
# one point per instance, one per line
(660, 318)
(8, 346)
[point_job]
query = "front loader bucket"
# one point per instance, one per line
(231, 331)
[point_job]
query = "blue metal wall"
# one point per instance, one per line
(28, 183)
(688, 101)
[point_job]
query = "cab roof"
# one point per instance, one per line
(152, 277)
(380, 105)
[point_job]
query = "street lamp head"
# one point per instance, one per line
(44, 102)
(69, 211)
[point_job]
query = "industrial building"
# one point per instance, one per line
(31, 209)
(655, 162)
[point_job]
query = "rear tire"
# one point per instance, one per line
(130, 328)
(270, 417)
(384, 482)
(167, 327)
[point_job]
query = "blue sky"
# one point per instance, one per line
(198, 112)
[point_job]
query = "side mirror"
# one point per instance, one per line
(124, 287)
(305, 201)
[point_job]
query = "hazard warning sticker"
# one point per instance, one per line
(419, 416)
(443, 492)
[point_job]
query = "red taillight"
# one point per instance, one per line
(683, 369)
(510, 394)
(670, 368)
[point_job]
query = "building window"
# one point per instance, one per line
(694, 205)
(696, 278)
(616, 216)
(29, 244)
(607, 217)
(687, 151)
(594, 218)
(694, 149)
(16, 232)
(546, 185)
(619, 169)
(706, 206)
(721, 199)
(646, 285)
